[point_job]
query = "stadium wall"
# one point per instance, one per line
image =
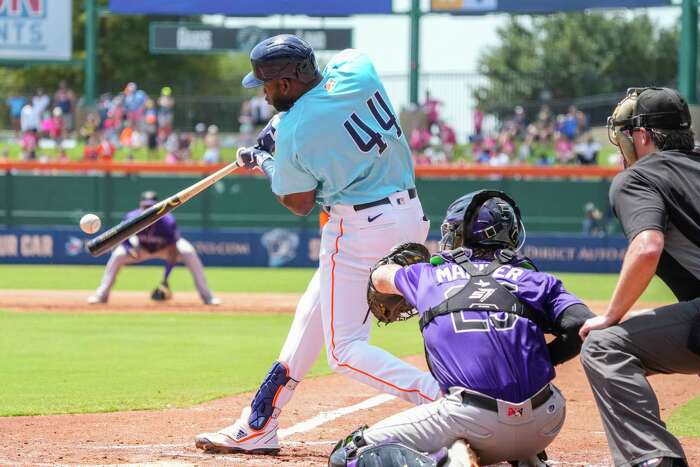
(60, 199)
(289, 247)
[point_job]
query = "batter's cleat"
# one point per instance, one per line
(213, 301)
(95, 300)
(241, 438)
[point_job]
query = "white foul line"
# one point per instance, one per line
(325, 417)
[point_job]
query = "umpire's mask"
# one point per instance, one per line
(483, 219)
(652, 108)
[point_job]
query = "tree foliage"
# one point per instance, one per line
(571, 55)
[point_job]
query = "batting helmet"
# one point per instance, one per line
(283, 56)
(485, 218)
(148, 199)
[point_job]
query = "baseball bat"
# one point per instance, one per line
(126, 229)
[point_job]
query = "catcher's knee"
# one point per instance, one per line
(353, 451)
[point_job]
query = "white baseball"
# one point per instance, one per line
(90, 223)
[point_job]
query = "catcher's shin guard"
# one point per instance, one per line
(275, 391)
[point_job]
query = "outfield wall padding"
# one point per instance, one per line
(60, 199)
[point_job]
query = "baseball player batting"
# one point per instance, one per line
(161, 240)
(338, 144)
(483, 314)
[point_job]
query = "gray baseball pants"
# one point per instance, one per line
(181, 251)
(617, 361)
(514, 432)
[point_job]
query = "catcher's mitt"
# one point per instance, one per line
(162, 293)
(388, 308)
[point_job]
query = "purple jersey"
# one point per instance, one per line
(498, 354)
(158, 235)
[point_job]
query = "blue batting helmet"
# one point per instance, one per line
(283, 56)
(486, 219)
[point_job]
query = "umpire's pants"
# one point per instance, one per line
(617, 361)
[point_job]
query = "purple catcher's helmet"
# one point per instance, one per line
(282, 56)
(485, 218)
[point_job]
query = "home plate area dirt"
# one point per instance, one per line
(167, 436)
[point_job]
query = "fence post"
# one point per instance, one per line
(206, 206)
(8, 197)
(108, 202)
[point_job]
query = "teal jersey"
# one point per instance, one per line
(342, 138)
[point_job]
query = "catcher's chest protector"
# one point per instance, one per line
(481, 293)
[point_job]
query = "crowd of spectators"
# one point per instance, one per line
(432, 140)
(543, 139)
(123, 122)
(131, 120)
(42, 116)
(546, 139)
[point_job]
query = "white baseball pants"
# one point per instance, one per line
(334, 307)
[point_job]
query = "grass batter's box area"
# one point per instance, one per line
(133, 381)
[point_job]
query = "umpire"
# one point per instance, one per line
(656, 200)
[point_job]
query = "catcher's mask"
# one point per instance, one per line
(485, 218)
(651, 108)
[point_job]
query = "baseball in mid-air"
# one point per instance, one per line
(90, 223)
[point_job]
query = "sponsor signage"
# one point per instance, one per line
(250, 8)
(168, 37)
(296, 248)
(35, 30)
(476, 7)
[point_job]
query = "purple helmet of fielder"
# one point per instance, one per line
(484, 218)
(148, 199)
(279, 57)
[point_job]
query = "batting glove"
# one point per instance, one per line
(251, 157)
(266, 137)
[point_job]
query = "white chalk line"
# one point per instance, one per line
(325, 417)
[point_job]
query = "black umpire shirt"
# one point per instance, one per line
(662, 192)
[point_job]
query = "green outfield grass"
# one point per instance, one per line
(73, 363)
(586, 286)
(685, 421)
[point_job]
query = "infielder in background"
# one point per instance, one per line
(483, 314)
(161, 240)
(656, 200)
(338, 144)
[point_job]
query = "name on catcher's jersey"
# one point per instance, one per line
(498, 354)
(343, 139)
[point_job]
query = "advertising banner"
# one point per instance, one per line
(166, 37)
(35, 30)
(477, 7)
(250, 8)
(280, 247)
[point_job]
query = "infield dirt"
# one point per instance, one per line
(166, 436)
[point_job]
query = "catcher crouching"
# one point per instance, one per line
(484, 310)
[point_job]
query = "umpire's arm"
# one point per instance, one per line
(638, 268)
(568, 342)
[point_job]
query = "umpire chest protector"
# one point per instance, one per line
(481, 293)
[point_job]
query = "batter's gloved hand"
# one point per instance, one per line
(266, 137)
(388, 308)
(162, 293)
(251, 157)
